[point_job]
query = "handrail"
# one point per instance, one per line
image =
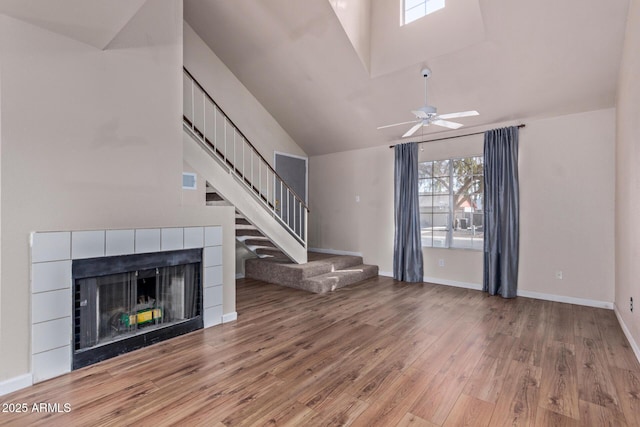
(232, 148)
(304, 205)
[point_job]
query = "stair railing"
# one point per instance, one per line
(209, 124)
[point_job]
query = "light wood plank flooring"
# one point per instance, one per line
(379, 353)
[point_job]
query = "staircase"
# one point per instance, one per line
(255, 241)
(323, 273)
(246, 233)
(271, 218)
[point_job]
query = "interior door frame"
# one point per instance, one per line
(306, 170)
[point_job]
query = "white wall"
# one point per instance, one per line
(628, 178)
(336, 220)
(253, 120)
(567, 184)
(91, 139)
(566, 189)
(1, 195)
(355, 17)
(396, 47)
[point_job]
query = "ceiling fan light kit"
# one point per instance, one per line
(428, 114)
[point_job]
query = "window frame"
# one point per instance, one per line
(421, 4)
(449, 238)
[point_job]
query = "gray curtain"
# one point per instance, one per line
(501, 214)
(407, 245)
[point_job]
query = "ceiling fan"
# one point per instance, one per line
(428, 115)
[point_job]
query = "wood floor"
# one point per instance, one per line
(377, 353)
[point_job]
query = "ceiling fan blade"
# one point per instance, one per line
(398, 124)
(414, 129)
(420, 114)
(460, 114)
(446, 124)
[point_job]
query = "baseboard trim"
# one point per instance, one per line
(526, 294)
(239, 275)
(566, 299)
(334, 251)
(454, 283)
(15, 384)
(627, 333)
(229, 317)
(385, 273)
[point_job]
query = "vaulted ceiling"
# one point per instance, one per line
(331, 79)
(94, 22)
(332, 71)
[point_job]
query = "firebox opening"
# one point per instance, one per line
(125, 303)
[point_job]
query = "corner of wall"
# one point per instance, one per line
(627, 198)
(16, 383)
(627, 333)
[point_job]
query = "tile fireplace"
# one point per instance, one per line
(99, 293)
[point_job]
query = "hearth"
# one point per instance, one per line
(124, 303)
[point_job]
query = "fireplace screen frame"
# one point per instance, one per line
(84, 269)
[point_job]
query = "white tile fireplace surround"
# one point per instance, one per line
(52, 254)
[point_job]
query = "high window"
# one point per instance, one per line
(416, 9)
(451, 203)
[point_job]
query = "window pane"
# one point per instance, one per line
(426, 228)
(441, 168)
(408, 4)
(458, 167)
(433, 5)
(425, 186)
(415, 9)
(461, 183)
(425, 203)
(441, 221)
(425, 169)
(457, 181)
(441, 204)
(413, 14)
(479, 184)
(467, 166)
(441, 185)
(466, 202)
(468, 230)
(439, 239)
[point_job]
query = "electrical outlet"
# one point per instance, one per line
(441, 262)
(559, 275)
(631, 304)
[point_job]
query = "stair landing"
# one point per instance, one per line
(323, 273)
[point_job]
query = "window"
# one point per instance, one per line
(416, 9)
(451, 203)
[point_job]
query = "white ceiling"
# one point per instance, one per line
(510, 60)
(94, 22)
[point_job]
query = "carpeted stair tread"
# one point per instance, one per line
(264, 243)
(248, 232)
(337, 279)
(316, 276)
(273, 253)
(274, 271)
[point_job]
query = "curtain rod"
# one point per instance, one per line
(452, 137)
